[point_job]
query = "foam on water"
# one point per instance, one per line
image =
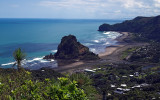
(101, 41)
(88, 44)
(97, 41)
(7, 64)
(35, 63)
(41, 37)
(97, 45)
(107, 43)
(38, 63)
(93, 50)
(54, 51)
(112, 34)
(107, 32)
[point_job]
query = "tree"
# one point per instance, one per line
(18, 56)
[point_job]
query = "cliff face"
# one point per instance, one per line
(148, 27)
(70, 48)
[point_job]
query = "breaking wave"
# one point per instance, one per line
(35, 63)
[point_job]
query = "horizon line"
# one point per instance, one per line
(72, 18)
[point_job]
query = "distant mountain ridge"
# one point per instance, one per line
(147, 27)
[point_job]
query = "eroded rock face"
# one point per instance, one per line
(70, 48)
(51, 56)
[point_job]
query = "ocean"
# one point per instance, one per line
(40, 37)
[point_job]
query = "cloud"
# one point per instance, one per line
(118, 11)
(157, 3)
(85, 6)
(132, 4)
(96, 3)
(70, 3)
(99, 8)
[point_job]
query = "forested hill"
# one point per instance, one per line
(147, 27)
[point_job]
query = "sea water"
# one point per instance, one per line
(40, 37)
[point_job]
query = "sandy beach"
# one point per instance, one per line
(111, 55)
(109, 50)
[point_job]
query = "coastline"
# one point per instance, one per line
(112, 54)
(67, 64)
(120, 43)
(110, 50)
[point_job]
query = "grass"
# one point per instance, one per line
(155, 68)
(127, 52)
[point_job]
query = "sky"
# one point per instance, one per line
(79, 9)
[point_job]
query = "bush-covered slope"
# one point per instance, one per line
(149, 53)
(22, 86)
(147, 27)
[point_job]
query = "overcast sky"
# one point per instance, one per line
(79, 9)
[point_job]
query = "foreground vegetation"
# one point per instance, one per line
(20, 86)
(43, 84)
(26, 85)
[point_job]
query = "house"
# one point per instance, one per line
(136, 74)
(124, 76)
(131, 75)
(113, 86)
(136, 86)
(123, 85)
(144, 84)
(89, 70)
(119, 91)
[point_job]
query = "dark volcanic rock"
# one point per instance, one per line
(147, 27)
(51, 56)
(70, 48)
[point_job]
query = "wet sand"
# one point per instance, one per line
(110, 49)
(111, 55)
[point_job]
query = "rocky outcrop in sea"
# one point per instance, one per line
(70, 48)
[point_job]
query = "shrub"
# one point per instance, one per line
(22, 87)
